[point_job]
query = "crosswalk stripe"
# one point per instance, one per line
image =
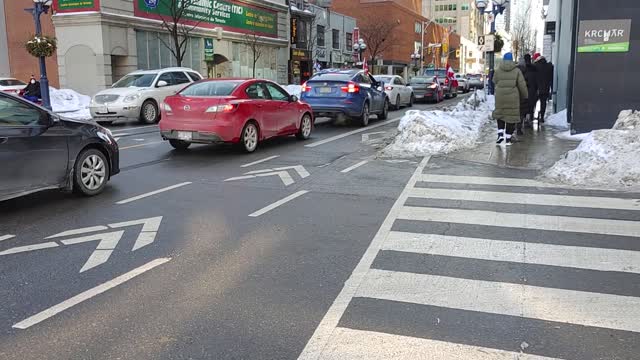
(568, 306)
(513, 251)
(527, 221)
(482, 180)
(350, 344)
(528, 199)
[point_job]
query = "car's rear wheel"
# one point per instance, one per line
(249, 138)
(305, 128)
(149, 112)
(364, 118)
(397, 106)
(179, 144)
(385, 110)
(91, 172)
(412, 99)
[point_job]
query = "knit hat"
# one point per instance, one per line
(508, 57)
(537, 57)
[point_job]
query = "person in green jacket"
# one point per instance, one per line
(510, 87)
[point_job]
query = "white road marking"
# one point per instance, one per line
(133, 128)
(349, 133)
(240, 177)
(155, 192)
(533, 302)
(259, 161)
(6, 237)
(86, 295)
(147, 236)
(298, 168)
(514, 251)
(259, 171)
(284, 176)
(351, 344)
(140, 145)
(526, 221)
(27, 248)
(354, 166)
(79, 231)
(529, 199)
(138, 139)
(101, 254)
(266, 209)
(365, 137)
(322, 334)
(480, 180)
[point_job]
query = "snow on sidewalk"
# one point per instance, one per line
(439, 132)
(70, 104)
(294, 89)
(605, 158)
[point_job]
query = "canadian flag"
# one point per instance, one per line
(365, 66)
(450, 72)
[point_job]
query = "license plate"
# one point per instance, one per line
(325, 90)
(102, 110)
(184, 135)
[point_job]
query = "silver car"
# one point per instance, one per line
(475, 81)
(463, 84)
(138, 95)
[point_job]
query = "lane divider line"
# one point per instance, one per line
(86, 295)
(349, 133)
(354, 166)
(268, 208)
(151, 193)
(139, 145)
(259, 161)
(6, 237)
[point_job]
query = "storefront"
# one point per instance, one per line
(301, 66)
(102, 40)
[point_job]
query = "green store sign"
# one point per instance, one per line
(231, 15)
(76, 5)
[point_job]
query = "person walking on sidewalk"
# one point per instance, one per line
(510, 88)
(531, 78)
(545, 83)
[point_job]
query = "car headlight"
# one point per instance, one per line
(105, 134)
(131, 98)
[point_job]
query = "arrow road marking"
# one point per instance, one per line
(298, 168)
(365, 137)
(79, 231)
(149, 230)
(284, 176)
(101, 254)
(6, 237)
(281, 172)
(268, 208)
(354, 166)
(26, 248)
(142, 196)
(259, 161)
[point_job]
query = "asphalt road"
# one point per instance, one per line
(174, 262)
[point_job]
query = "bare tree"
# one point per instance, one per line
(255, 49)
(522, 33)
(175, 24)
(379, 35)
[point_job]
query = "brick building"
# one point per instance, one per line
(16, 27)
(405, 24)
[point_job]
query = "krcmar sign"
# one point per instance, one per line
(599, 36)
(232, 15)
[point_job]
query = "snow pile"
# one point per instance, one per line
(566, 135)
(423, 133)
(558, 120)
(605, 158)
(69, 103)
(294, 89)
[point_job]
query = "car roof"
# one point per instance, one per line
(9, 78)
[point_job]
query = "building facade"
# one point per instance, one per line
(102, 40)
(16, 27)
(459, 15)
(332, 38)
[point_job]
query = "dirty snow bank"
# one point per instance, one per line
(605, 158)
(69, 103)
(557, 120)
(294, 89)
(423, 133)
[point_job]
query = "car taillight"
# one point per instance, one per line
(351, 88)
(226, 108)
(388, 88)
(305, 88)
(446, 81)
(164, 106)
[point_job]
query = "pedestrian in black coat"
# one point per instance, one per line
(531, 77)
(545, 82)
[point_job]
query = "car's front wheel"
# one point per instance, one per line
(179, 144)
(305, 128)
(91, 172)
(412, 99)
(149, 113)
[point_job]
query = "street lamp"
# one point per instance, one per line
(415, 57)
(498, 7)
(41, 7)
(359, 47)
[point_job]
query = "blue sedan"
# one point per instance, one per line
(351, 93)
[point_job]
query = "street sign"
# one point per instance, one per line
(208, 49)
(486, 43)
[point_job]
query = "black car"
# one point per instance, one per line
(40, 150)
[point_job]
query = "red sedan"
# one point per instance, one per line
(233, 111)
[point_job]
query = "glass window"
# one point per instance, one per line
(211, 88)
(333, 77)
(180, 78)
(349, 41)
(256, 91)
(16, 113)
(141, 50)
(320, 35)
(277, 93)
(136, 80)
(11, 82)
(418, 27)
(194, 76)
(455, 6)
(166, 77)
(398, 81)
(335, 41)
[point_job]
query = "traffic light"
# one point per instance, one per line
(457, 53)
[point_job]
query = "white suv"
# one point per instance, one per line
(138, 94)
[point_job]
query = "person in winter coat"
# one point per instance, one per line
(510, 88)
(531, 78)
(545, 82)
(32, 90)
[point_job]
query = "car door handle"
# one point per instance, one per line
(3, 140)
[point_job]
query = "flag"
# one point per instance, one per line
(365, 66)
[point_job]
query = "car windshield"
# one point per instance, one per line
(211, 88)
(11, 82)
(474, 76)
(384, 79)
(421, 80)
(333, 77)
(136, 80)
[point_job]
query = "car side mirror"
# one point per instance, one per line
(54, 120)
(293, 98)
(162, 83)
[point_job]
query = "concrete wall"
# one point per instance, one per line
(5, 69)
(564, 26)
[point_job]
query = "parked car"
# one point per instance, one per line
(426, 89)
(40, 150)
(138, 95)
(475, 81)
(449, 85)
(233, 111)
(352, 93)
(11, 85)
(398, 92)
(463, 84)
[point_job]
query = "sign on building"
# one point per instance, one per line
(208, 49)
(63, 6)
(604, 36)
